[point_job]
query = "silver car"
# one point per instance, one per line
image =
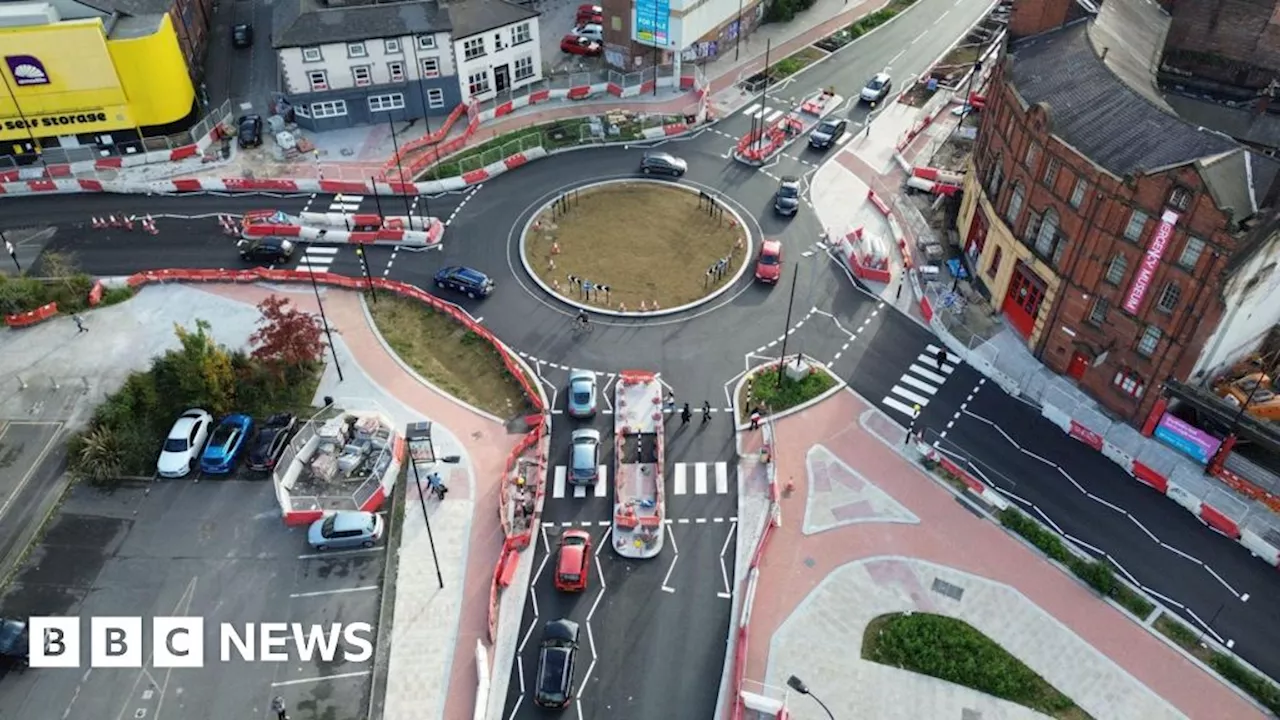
(584, 457)
(345, 529)
(877, 88)
(582, 393)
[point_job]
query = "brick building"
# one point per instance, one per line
(1101, 225)
(1232, 43)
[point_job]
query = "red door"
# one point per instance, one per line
(1079, 363)
(1022, 303)
(977, 238)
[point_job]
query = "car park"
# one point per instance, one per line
(14, 642)
(266, 250)
(578, 45)
(557, 655)
(786, 201)
(181, 450)
(573, 561)
(249, 130)
(468, 281)
(225, 444)
(663, 163)
(345, 529)
(582, 393)
(584, 457)
(270, 441)
(595, 31)
(242, 35)
(827, 133)
(769, 261)
(877, 88)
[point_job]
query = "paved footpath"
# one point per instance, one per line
(431, 672)
(866, 533)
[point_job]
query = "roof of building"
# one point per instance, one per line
(1239, 180)
(305, 23)
(472, 17)
(1243, 123)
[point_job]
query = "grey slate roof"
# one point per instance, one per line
(1098, 114)
(472, 17)
(304, 23)
(1242, 123)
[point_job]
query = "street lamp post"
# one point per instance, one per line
(422, 98)
(364, 265)
(977, 68)
(737, 41)
(764, 95)
(325, 322)
(798, 685)
(13, 253)
(422, 498)
(655, 45)
(395, 146)
(786, 329)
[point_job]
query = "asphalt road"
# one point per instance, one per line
(246, 76)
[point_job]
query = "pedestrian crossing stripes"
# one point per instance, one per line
(921, 381)
(761, 110)
(843, 139)
(317, 259)
(345, 203)
(705, 478)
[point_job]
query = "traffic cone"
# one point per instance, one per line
(97, 224)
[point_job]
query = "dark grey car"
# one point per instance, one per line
(827, 133)
(556, 660)
(663, 163)
(787, 200)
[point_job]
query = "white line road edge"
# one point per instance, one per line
(724, 571)
(591, 638)
(675, 557)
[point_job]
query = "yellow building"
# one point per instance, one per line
(88, 81)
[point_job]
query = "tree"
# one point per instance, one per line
(286, 337)
(200, 371)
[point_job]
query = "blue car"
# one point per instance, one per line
(582, 393)
(468, 281)
(228, 439)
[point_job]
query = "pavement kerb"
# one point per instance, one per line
(744, 377)
(373, 326)
(689, 188)
(386, 606)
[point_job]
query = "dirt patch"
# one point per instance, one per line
(647, 242)
(917, 96)
(453, 358)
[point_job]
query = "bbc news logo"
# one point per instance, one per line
(179, 642)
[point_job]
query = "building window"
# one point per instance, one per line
(430, 67)
(1180, 199)
(357, 50)
(1129, 382)
(1191, 253)
(1115, 271)
(473, 48)
(1033, 155)
(312, 55)
(1137, 223)
(1149, 341)
(391, 47)
(497, 42)
(1169, 298)
(1051, 172)
(362, 75)
(383, 103)
(1098, 313)
(994, 268)
(1077, 193)
(1014, 211)
(1047, 235)
(435, 98)
(995, 179)
(524, 68)
(396, 71)
(302, 110)
(426, 42)
(478, 83)
(319, 80)
(332, 108)
(521, 34)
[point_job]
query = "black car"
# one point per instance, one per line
(242, 35)
(469, 281)
(269, 250)
(663, 163)
(787, 200)
(827, 133)
(14, 642)
(556, 657)
(250, 130)
(268, 445)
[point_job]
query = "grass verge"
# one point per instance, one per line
(765, 392)
(1258, 687)
(954, 651)
(794, 63)
(451, 357)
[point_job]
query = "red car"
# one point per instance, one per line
(769, 263)
(574, 561)
(578, 45)
(590, 9)
(583, 17)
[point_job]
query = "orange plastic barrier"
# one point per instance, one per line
(95, 294)
(27, 319)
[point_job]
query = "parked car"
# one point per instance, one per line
(595, 31)
(268, 250)
(226, 444)
(877, 88)
(469, 281)
(786, 201)
(590, 9)
(661, 162)
(584, 457)
(573, 561)
(588, 17)
(578, 45)
(556, 658)
(15, 642)
(769, 262)
(827, 133)
(181, 448)
(270, 441)
(242, 35)
(345, 529)
(249, 130)
(582, 393)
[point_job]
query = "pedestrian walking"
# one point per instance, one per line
(277, 707)
(79, 324)
(706, 412)
(755, 418)
(670, 403)
(685, 415)
(942, 359)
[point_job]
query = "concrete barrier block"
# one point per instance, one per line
(1263, 549)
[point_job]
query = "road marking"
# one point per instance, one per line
(322, 678)
(722, 478)
(917, 399)
(919, 384)
(927, 374)
(342, 591)
(682, 482)
(340, 553)
(602, 486)
(900, 407)
(557, 489)
(675, 556)
(700, 479)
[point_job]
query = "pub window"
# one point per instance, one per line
(1129, 382)
(1051, 172)
(1077, 193)
(995, 179)
(1014, 210)
(1047, 236)
(994, 267)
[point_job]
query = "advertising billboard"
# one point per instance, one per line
(1187, 439)
(1150, 261)
(652, 24)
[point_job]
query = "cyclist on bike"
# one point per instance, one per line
(583, 321)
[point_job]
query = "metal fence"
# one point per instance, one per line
(584, 78)
(352, 498)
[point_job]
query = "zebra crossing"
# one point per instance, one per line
(921, 381)
(317, 258)
(760, 110)
(345, 203)
(696, 478)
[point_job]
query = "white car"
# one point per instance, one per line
(182, 448)
(591, 31)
